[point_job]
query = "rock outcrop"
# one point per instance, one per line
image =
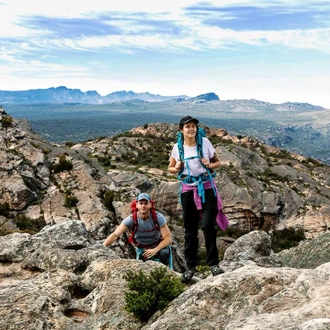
(32, 186)
(61, 278)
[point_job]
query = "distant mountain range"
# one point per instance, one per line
(63, 95)
(61, 114)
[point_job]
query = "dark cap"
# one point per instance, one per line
(144, 196)
(186, 120)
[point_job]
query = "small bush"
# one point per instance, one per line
(233, 232)
(27, 225)
(71, 201)
(148, 294)
(63, 165)
(105, 161)
(4, 209)
(107, 199)
(7, 121)
(69, 144)
(286, 238)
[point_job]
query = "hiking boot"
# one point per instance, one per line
(188, 275)
(216, 270)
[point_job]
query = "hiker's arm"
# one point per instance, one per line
(174, 166)
(167, 240)
(167, 237)
(115, 235)
(213, 163)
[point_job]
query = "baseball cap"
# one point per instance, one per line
(186, 120)
(144, 196)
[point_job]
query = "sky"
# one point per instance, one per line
(274, 51)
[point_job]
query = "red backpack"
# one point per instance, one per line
(134, 211)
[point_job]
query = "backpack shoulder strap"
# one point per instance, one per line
(199, 146)
(180, 145)
(153, 213)
(199, 141)
(135, 221)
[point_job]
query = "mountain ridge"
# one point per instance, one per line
(62, 95)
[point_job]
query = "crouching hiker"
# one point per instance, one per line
(150, 234)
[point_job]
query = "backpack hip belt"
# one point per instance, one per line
(191, 179)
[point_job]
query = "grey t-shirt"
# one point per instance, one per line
(146, 233)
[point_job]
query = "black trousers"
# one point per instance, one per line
(191, 224)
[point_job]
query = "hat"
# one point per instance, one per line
(143, 196)
(186, 120)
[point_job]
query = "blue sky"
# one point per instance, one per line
(273, 51)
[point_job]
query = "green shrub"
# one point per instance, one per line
(286, 238)
(148, 294)
(203, 271)
(105, 161)
(7, 121)
(70, 200)
(69, 144)
(31, 226)
(233, 232)
(62, 165)
(107, 199)
(4, 209)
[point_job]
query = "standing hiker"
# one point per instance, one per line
(150, 234)
(194, 160)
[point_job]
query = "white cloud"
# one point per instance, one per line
(121, 60)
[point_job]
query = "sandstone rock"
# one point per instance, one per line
(254, 247)
(79, 285)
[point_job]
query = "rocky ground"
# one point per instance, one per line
(61, 278)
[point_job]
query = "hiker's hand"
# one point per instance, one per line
(178, 165)
(205, 162)
(149, 253)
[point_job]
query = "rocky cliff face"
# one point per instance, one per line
(48, 183)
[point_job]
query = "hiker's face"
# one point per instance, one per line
(189, 129)
(143, 206)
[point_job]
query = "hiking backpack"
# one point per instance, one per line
(134, 212)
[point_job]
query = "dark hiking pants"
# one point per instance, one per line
(191, 219)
